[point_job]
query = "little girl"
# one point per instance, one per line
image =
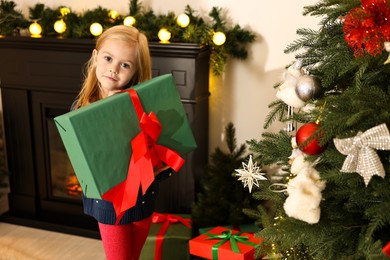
(121, 59)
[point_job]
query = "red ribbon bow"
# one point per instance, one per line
(166, 220)
(146, 154)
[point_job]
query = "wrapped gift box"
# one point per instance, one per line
(205, 244)
(248, 228)
(97, 137)
(174, 237)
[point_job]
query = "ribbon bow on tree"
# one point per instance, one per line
(360, 150)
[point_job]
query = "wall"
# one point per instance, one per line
(243, 93)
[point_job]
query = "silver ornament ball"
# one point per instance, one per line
(308, 87)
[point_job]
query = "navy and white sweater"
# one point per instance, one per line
(103, 211)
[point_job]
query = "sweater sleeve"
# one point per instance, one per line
(165, 174)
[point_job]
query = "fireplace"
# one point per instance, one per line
(62, 180)
(40, 78)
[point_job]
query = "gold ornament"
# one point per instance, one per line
(64, 11)
(360, 150)
(113, 14)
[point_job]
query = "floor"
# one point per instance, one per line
(26, 243)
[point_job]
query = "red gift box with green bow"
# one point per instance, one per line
(224, 244)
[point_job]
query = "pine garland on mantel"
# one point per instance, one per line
(13, 22)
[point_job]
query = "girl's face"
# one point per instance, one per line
(115, 65)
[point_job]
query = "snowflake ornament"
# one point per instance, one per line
(250, 174)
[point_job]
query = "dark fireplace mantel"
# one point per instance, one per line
(39, 79)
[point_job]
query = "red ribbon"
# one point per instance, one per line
(146, 154)
(166, 220)
(386, 249)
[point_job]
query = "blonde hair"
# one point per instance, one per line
(89, 92)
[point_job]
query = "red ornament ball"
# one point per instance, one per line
(303, 134)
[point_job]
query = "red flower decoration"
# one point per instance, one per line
(366, 28)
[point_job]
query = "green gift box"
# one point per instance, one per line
(97, 137)
(173, 235)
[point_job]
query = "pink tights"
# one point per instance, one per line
(124, 242)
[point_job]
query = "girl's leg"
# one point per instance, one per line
(139, 233)
(117, 241)
(124, 242)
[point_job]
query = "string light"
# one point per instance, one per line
(219, 38)
(60, 26)
(273, 250)
(201, 35)
(164, 35)
(35, 30)
(129, 21)
(96, 29)
(183, 20)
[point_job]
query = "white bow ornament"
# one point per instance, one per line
(360, 150)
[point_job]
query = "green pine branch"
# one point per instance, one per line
(147, 21)
(11, 19)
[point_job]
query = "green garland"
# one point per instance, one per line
(198, 31)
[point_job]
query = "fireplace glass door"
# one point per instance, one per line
(63, 181)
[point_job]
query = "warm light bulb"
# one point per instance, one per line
(113, 14)
(64, 11)
(164, 35)
(219, 38)
(96, 29)
(129, 21)
(35, 30)
(183, 20)
(60, 26)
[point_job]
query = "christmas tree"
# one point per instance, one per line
(221, 199)
(331, 195)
